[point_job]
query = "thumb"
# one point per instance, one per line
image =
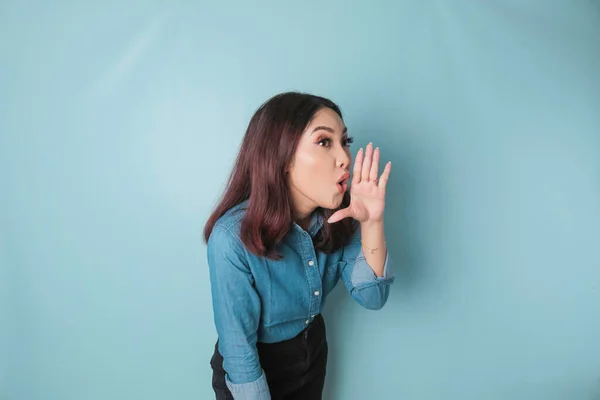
(339, 215)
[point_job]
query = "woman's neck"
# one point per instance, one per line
(303, 218)
(302, 213)
(304, 222)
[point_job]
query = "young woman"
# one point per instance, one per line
(284, 233)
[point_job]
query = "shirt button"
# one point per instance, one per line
(317, 293)
(311, 263)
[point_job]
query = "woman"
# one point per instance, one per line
(285, 231)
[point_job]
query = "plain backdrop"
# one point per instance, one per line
(120, 121)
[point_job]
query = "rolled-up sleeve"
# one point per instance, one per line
(236, 308)
(369, 290)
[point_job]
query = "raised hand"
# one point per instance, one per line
(367, 192)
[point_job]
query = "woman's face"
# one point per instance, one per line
(320, 169)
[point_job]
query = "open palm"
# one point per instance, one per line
(367, 193)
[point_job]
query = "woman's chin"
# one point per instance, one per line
(335, 203)
(332, 203)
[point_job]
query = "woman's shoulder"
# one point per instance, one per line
(225, 250)
(229, 224)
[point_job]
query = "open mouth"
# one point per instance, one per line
(342, 184)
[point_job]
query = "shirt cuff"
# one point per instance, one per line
(255, 390)
(363, 274)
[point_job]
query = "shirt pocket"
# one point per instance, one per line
(288, 298)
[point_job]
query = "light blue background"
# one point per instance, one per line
(119, 124)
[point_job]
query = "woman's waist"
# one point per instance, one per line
(312, 328)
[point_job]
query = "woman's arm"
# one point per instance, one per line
(236, 307)
(366, 269)
(374, 245)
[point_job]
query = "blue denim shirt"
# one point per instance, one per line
(257, 299)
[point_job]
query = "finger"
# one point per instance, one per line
(366, 167)
(358, 160)
(340, 215)
(374, 166)
(385, 175)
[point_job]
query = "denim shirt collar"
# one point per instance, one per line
(316, 223)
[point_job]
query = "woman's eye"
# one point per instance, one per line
(324, 142)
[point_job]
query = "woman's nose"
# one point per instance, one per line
(343, 159)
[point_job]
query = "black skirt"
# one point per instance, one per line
(294, 368)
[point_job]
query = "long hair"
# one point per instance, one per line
(259, 176)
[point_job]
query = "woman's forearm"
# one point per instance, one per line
(373, 245)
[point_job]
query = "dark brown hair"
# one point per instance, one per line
(259, 176)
